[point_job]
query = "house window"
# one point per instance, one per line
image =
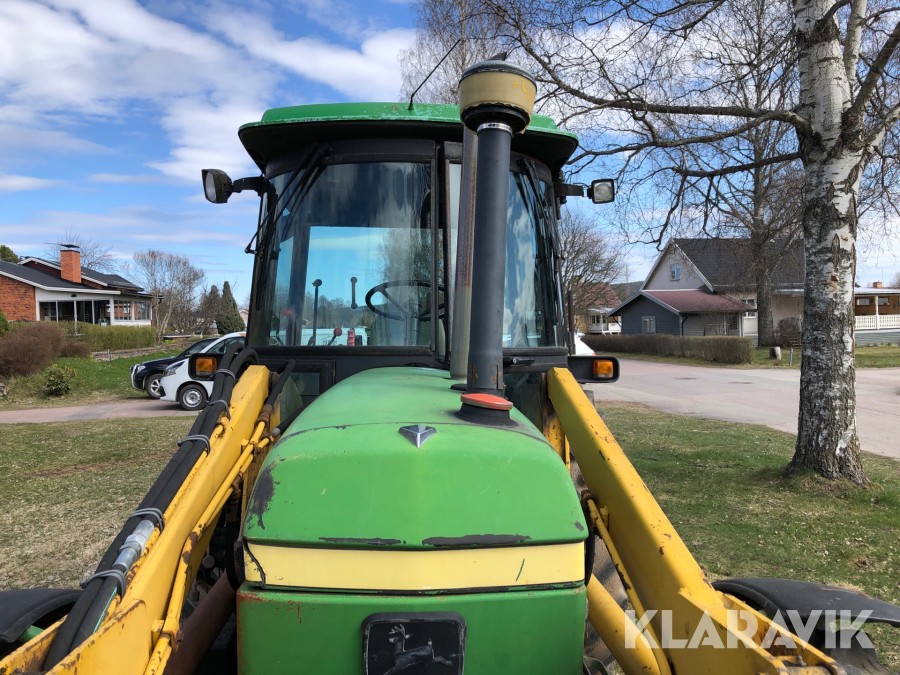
(122, 311)
(731, 321)
(675, 269)
(882, 301)
(48, 311)
(648, 324)
(142, 310)
(749, 301)
(863, 302)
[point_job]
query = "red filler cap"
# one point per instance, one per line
(487, 401)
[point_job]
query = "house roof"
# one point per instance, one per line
(699, 301)
(868, 290)
(696, 301)
(46, 281)
(628, 289)
(35, 277)
(600, 296)
(725, 263)
(113, 280)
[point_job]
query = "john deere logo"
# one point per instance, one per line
(413, 644)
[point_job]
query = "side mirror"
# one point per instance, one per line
(594, 369)
(217, 186)
(203, 366)
(603, 191)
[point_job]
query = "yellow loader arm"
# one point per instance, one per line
(141, 627)
(680, 622)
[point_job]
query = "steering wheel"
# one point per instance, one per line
(405, 312)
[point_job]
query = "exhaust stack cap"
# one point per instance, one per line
(496, 91)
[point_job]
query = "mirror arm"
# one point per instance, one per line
(255, 183)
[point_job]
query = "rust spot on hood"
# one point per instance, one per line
(367, 541)
(477, 540)
(263, 492)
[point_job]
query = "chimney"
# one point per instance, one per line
(877, 284)
(70, 263)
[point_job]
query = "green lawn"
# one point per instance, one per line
(67, 489)
(94, 382)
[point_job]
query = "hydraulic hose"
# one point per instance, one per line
(108, 580)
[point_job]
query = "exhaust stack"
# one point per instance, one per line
(496, 102)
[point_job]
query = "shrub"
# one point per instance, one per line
(789, 332)
(75, 348)
(4, 324)
(56, 382)
(718, 349)
(29, 349)
(112, 338)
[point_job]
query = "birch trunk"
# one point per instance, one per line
(827, 438)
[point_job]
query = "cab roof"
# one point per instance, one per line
(286, 129)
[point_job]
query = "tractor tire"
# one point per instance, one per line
(152, 386)
(192, 397)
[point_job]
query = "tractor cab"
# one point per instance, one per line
(363, 247)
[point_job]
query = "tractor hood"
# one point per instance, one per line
(347, 475)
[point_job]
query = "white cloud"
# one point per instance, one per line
(10, 183)
(370, 72)
(205, 136)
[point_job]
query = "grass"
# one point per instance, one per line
(69, 487)
(876, 356)
(721, 485)
(94, 382)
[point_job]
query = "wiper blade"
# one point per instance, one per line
(308, 160)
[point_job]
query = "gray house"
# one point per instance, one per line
(682, 312)
(706, 287)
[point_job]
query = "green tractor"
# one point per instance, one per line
(382, 481)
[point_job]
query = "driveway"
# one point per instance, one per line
(770, 397)
(110, 410)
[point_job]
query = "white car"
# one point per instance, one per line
(191, 394)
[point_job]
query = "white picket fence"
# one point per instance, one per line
(879, 322)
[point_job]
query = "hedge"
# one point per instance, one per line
(112, 338)
(718, 349)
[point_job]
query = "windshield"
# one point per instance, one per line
(350, 260)
(529, 291)
(350, 251)
(196, 347)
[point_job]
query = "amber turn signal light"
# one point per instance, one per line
(206, 365)
(603, 369)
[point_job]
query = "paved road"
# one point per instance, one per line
(111, 410)
(761, 396)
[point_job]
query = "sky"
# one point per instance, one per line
(109, 109)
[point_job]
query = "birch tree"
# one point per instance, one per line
(650, 66)
(451, 35)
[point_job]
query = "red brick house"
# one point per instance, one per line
(40, 290)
